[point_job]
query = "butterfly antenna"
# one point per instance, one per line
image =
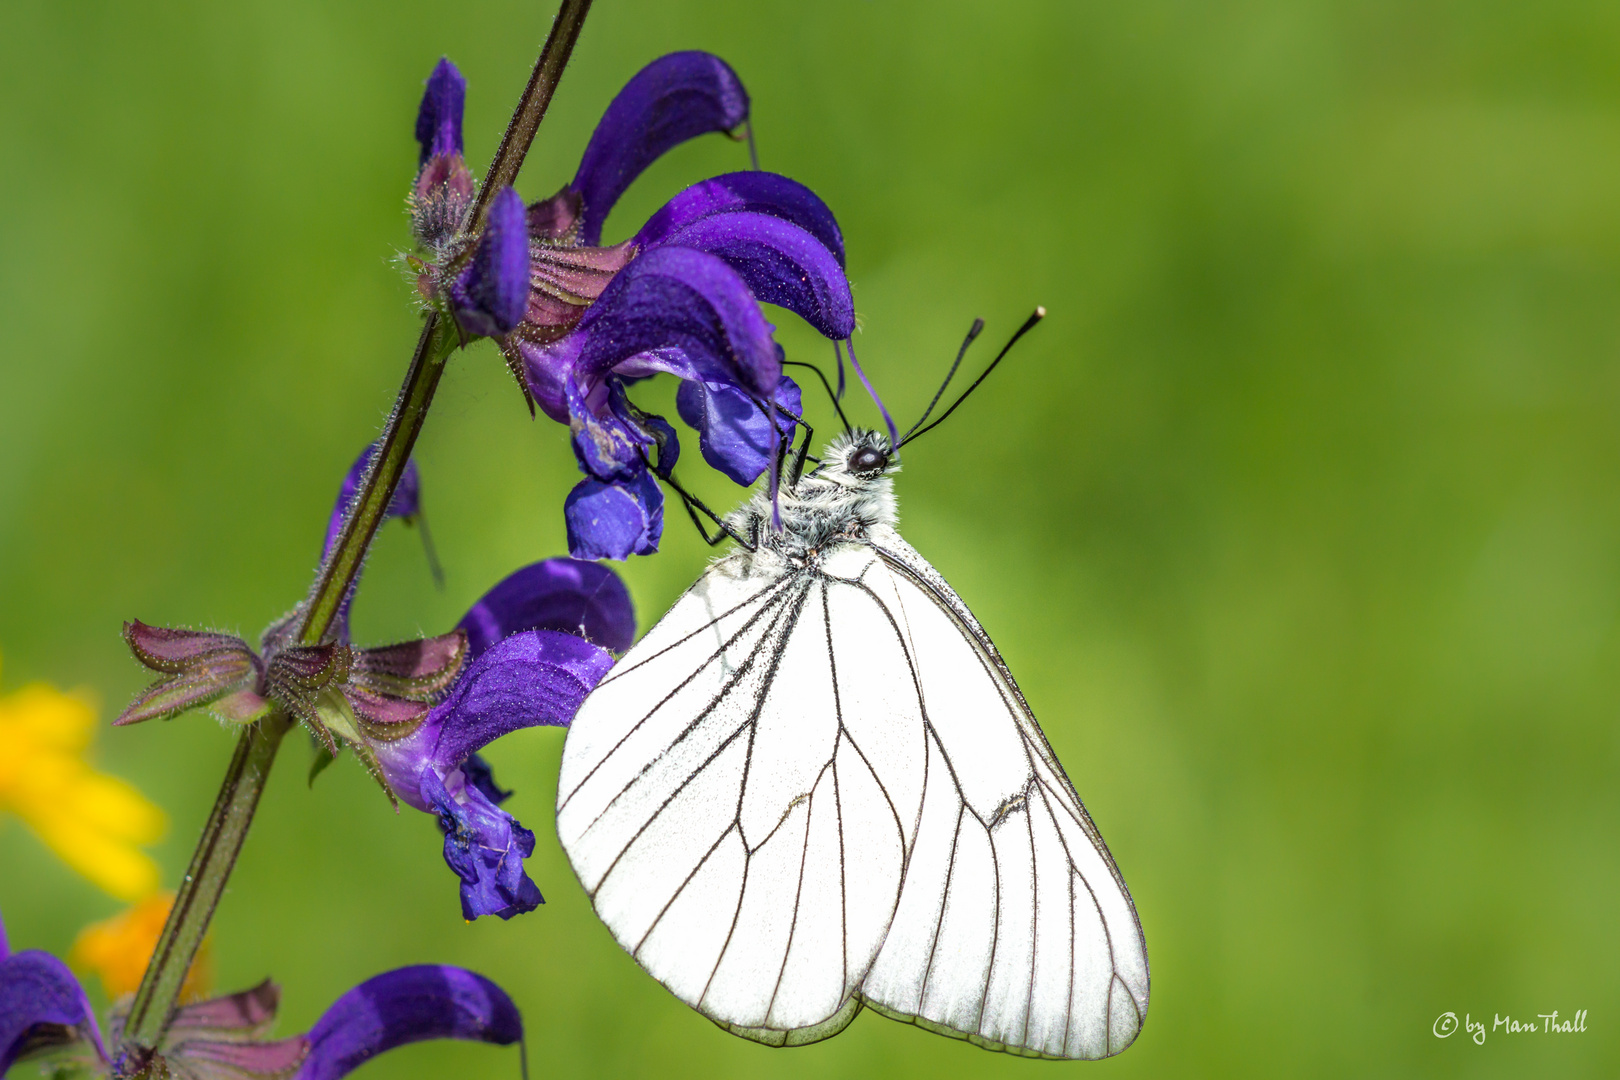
(973, 332)
(839, 409)
(838, 355)
(894, 433)
(1029, 324)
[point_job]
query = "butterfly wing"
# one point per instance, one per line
(1014, 928)
(807, 789)
(732, 834)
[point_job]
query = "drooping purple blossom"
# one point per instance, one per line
(406, 1005)
(531, 662)
(43, 1009)
(682, 296)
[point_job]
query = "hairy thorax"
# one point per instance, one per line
(829, 504)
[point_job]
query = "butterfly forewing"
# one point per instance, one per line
(817, 785)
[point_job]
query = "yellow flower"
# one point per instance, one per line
(118, 950)
(93, 821)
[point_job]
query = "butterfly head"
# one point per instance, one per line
(860, 455)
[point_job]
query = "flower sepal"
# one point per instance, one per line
(222, 1039)
(198, 669)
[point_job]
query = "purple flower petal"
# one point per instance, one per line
(438, 121)
(753, 192)
(407, 500)
(41, 1006)
(529, 678)
(683, 311)
(405, 1006)
(674, 98)
(734, 433)
(607, 442)
(485, 846)
(614, 521)
(406, 503)
(782, 264)
(567, 595)
(492, 293)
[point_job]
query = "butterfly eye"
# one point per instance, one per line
(867, 460)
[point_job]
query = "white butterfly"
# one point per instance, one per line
(814, 786)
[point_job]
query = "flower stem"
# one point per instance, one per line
(227, 825)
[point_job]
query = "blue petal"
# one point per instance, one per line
(614, 521)
(42, 1006)
(782, 264)
(438, 121)
(492, 293)
(567, 595)
(754, 192)
(734, 434)
(404, 1006)
(485, 846)
(674, 98)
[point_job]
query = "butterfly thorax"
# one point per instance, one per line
(844, 497)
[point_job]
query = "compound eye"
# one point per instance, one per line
(867, 460)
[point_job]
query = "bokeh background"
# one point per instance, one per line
(1299, 518)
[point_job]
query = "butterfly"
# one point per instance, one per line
(814, 786)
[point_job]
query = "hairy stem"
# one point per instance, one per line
(199, 893)
(227, 825)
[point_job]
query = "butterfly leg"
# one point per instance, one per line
(693, 504)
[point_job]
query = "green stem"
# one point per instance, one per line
(228, 823)
(200, 891)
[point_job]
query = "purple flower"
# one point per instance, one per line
(532, 658)
(416, 713)
(682, 296)
(479, 278)
(43, 1008)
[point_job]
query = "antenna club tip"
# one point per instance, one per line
(1040, 311)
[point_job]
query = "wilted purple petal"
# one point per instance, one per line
(614, 521)
(674, 98)
(753, 192)
(567, 595)
(782, 264)
(438, 121)
(683, 311)
(735, 434)
(492, 293)
(485, 847)
(405, 1006)
(407, 500)
(41, 1006)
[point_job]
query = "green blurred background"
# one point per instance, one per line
(1299, 518)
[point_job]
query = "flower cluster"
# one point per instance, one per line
(416, 713)
(44, 1010)
(681, 296)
